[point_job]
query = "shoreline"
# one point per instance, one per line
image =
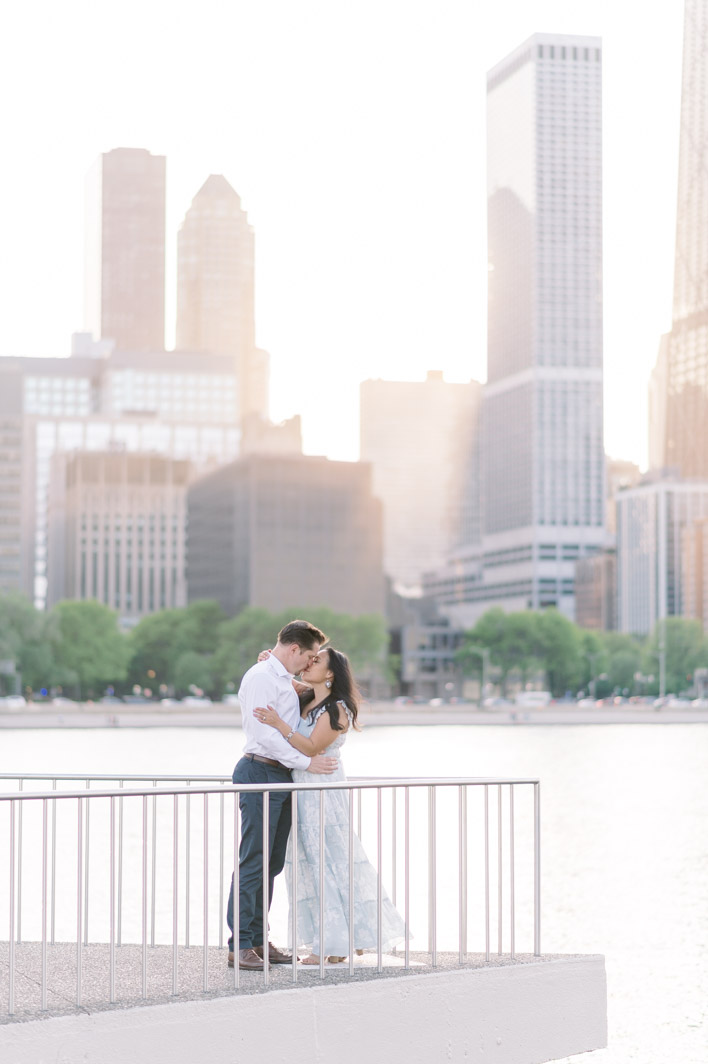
(373, 714)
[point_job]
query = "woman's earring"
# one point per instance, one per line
(328, 683)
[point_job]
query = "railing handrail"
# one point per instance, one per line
(258, 788)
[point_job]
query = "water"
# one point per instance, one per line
(625, 841)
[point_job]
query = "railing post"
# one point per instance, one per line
(175, 891)
(379, 884)
(293, 884)
(407, 876)
(537, 869)
(54, 865)
(79, 889)
(512, 913)
(322, 882)
(236, 907)
(11, 939)
(500, 871)
(432, 879)
(19, 868)
(206, 895)
(143, 898)
(266, 884)
(112, 904)
(352, 945)
(462, 860)
(487, 919)
(44, 905)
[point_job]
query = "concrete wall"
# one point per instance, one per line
(516, 1014)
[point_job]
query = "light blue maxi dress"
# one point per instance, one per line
(336, 872)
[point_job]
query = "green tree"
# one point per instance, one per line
(561, 651)
(192, 670)
(89, 649)
(25, 640)
(154, 644)
(240, 641)
(363, 639)
(161, 640)
(513, 641)
(686, 650)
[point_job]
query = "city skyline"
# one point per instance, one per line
(368, 198)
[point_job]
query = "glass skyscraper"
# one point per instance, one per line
(541, 445)
(541, 455)
(687, 398)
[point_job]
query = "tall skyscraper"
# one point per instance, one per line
(125, 249)
(215, 287)
(418, 437)
(687, 399)
(658, 391)
(542, 460)
(543, 465)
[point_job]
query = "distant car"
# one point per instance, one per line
(497, 703)
(13, 703)
(169, 702)
(136, 700)
(194, 700)
(402, 700)
(110, 699)
(436, 702)
(533, 699)
(61, 701)
(586, 703)
(230, 700)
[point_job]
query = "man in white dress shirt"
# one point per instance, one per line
(268, 758)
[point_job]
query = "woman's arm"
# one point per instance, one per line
(299, 685)
(323, 734)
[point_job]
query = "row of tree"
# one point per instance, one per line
(79, 648)
(522, 645)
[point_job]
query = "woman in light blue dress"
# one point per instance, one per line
(328, 711)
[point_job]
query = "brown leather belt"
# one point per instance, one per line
(265, 761)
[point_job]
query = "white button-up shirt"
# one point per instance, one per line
(268, 683)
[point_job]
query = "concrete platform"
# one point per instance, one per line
(507, 1012)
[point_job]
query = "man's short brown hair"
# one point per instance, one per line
(304, 634)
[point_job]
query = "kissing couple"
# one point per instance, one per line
(294, 731)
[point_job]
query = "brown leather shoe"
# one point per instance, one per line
(248, 960)
(275, 955)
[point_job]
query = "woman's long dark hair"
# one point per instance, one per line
(343, 689)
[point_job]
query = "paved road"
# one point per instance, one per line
(375, 713)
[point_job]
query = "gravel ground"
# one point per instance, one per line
(95, 968)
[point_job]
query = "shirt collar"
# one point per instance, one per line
(278, 667)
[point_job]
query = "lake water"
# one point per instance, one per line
(624, 841)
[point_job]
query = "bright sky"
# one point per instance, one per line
(354, 133)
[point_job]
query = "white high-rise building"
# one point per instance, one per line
(541, 449)
(652, 521)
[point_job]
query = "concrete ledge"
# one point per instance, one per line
(515, 1014)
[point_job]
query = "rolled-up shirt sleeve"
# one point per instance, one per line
(261, 690)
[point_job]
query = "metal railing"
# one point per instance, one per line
(455, 846)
